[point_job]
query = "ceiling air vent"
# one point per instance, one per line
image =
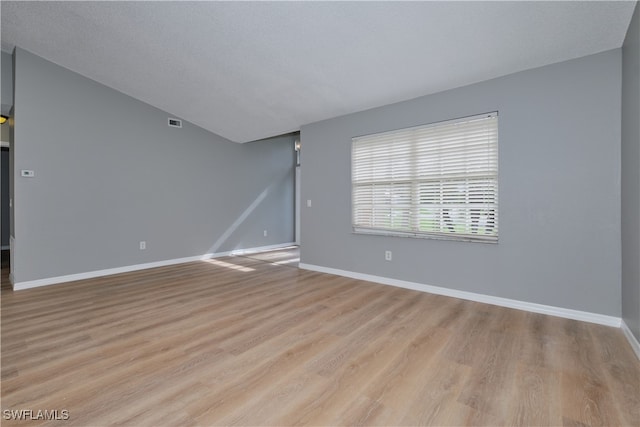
(175, 123)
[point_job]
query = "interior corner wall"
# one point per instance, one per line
(109, 173)
(631, 176)
(4, 199)
(6, 88)
(6, 95)
(4, 132)
(559, 190)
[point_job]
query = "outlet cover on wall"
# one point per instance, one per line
(388, 255)
(143, 245)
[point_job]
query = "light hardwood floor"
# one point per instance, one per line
(254, 341)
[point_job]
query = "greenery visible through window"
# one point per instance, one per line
(438, 180)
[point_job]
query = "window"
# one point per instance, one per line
(438, 180)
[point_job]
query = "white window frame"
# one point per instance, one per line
(417, 186)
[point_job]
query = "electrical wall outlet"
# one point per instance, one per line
(265, 233)
(388, 255)
(143, 245)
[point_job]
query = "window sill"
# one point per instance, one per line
(433, 236)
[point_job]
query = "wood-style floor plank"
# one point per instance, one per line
(252, 340)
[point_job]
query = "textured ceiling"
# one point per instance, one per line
(250, 70)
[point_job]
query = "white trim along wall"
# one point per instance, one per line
(635, 345)
(566, 313)
(600, 319)
(107, 272)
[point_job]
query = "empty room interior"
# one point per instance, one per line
(320, 213)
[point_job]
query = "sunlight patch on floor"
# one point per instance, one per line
(286, 261)
(225, 264)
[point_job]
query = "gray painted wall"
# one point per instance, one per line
(559, 190)
(4, 132)
(631, 176)
(6, 88)
(4, 197)
(6, 68)
(109, 173)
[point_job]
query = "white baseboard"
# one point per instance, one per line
(635, 345)
(4, 247)
(567, 313)
(107, 272)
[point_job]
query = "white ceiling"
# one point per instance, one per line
(250, 70)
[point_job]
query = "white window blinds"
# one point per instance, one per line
(438, 180)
